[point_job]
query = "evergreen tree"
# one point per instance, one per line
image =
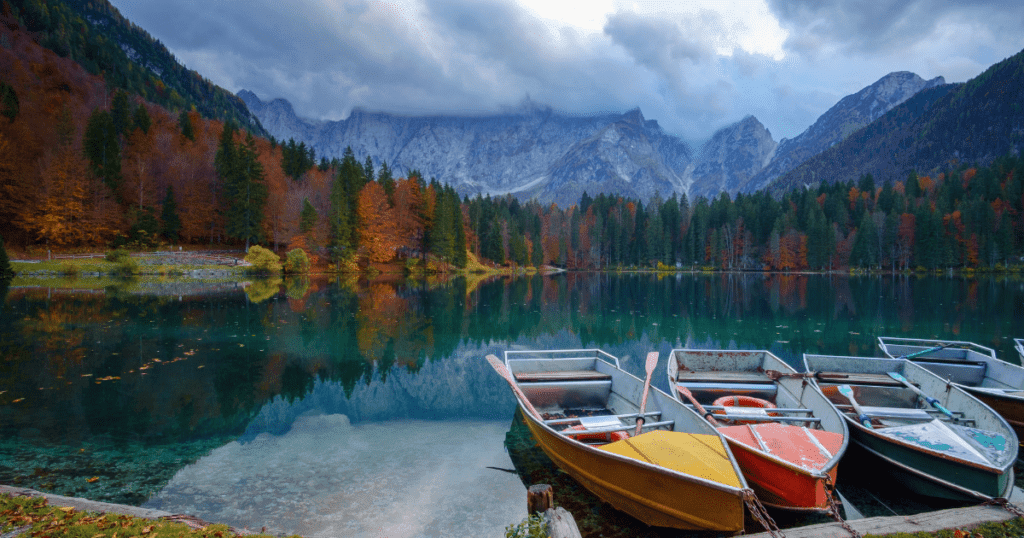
(102, 149)
(386, 181)
(171, 222)
(141, 119)
(185, 124)
(120, 113)
(308, 216)
(864, 252)
(368, 170)
(9, 106)
(244, 186)
(6, 271)
(344, 217)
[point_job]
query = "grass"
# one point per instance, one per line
(66, 522)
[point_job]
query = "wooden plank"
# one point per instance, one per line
(567, 375)
(561, 524)
(844, 378)
(953, 518)
(723, 377)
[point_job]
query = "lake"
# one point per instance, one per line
(365, 408)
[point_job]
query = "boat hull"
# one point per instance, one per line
(655, 496)
(780, 485)
(909, 464)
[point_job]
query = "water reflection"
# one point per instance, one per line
(133, 383)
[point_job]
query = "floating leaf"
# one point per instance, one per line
(93, 479)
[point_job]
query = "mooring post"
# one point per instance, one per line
(539, 498)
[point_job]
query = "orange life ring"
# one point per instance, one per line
(742, 401)
(607, 437)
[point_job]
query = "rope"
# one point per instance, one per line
(760, 514)
(1006, 505)
(833, 507)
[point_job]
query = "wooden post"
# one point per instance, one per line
(539, 498)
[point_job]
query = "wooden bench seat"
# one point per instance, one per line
(722, 377)
(565, 375)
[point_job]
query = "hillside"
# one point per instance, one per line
(95, 35)
(939, 128)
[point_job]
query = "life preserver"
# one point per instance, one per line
(607, 437)
(742, 401)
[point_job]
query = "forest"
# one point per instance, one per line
(86, 164)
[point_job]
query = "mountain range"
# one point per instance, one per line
(532, 151)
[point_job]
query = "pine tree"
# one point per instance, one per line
(141, 119)
(120, 113)
(247, 194)
(170, 221)
(185, 124)
(102, 149)
(6, 272)
(308, 216)
(9, 106)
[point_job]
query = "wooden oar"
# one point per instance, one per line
(934, 403)
(700, 408)
(652, 361)
(919, 353)
(503, 372)
(845, 390)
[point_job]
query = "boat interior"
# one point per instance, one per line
(587, 398)
(736, 387)
(965, 363)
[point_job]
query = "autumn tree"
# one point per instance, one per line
(377, 234)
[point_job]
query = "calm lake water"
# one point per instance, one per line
(362, 408)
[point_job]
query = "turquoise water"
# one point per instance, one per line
(303, 406)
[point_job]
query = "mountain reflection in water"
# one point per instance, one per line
(140, 384)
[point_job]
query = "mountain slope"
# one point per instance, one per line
(973, 123)
(94, 34)
(732, 156)
(845, 117)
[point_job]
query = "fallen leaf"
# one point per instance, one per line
(93, 479)
(18, 400)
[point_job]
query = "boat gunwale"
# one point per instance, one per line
(997, 470)
(785, 368)
(913, 342)
(554, 434)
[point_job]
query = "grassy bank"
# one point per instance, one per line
(33, 516)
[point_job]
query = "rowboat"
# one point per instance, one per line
(583, 410)
(973, 367)
(1018, 344)
(786, 436)
(939, 439)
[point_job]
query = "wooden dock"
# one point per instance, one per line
(953, 518)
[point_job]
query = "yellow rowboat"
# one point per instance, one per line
(583, 410)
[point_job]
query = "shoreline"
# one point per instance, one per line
(86, 505)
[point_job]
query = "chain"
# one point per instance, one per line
(833, 506)
(760, 514)
(1007, 505)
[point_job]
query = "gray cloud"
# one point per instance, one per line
(474, 56)
(885, 26)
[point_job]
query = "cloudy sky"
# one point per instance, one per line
(694, 66)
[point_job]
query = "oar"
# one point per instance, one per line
(652, 361)
(845, 390)
(919, 353)
(503, 372)
(934, 403)
(700, 408)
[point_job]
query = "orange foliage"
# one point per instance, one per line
(377, 233)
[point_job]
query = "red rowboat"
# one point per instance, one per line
(784, 434)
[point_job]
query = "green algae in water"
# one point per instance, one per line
(126, 473)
